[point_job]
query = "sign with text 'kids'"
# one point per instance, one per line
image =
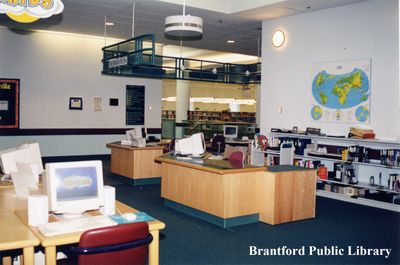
(27, 11)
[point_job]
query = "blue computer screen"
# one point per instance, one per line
(76, 183)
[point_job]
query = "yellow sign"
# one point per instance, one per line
(27, 11)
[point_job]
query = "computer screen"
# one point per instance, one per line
(74, 187)
(230, 131)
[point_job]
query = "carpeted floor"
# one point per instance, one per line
(338, 225)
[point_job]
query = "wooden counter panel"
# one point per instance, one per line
(266, 191)
(242, 194)
(122, 162)
(144, 164)
(225, 196)
(135, 163)
(305, 195)
(194, 188)
(288, 196)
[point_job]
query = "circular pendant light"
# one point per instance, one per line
(183, 27)
(278, 38)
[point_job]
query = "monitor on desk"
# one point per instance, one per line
(26, 153)
(230, 131)
(74, 187)
(135, 137)
(134, 132)
(193, 145)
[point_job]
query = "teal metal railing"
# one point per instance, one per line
(136, 57)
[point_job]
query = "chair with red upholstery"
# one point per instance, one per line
(125, 244)
(236, 159)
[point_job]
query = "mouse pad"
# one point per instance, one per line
(140, 217)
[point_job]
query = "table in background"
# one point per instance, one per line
(136, 163)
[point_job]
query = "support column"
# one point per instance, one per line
(182, 104)
(258, 106)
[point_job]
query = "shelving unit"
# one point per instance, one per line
(248, 117)
(168, 114)
(370, 167)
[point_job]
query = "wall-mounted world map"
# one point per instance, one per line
(341, 91)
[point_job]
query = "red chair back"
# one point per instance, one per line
(113, 236)
(236, 159)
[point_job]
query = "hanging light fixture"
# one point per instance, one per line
(183, 27)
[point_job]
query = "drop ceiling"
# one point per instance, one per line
(227, 19)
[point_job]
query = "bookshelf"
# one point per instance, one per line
(361, 177)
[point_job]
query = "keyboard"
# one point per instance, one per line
(216, 157)
(73, 225)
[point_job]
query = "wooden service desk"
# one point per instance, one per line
(217, 192)
(51, 242)
(136, 163)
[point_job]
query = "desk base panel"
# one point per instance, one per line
(225, 223)
(136, 182)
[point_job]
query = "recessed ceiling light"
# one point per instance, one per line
(230, 41)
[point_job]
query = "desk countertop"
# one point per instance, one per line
(129, 147)
(213, 166)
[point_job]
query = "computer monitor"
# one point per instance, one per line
(134, 133)
(230, 131)
(25, 153)
(193, 145)
(74, 187)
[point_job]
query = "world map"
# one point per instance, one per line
(341, 91)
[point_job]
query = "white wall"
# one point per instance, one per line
(55, 66)
(365, 30)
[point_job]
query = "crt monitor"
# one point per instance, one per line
(74, 187)
(193, 145)
(25, 153)
(134, 133)
(230, 131)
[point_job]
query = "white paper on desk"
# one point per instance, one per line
(21, 186)
(32, 170)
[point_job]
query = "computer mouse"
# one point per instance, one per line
(129, 216)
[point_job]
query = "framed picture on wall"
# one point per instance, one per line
(9, 103)
(75, 103)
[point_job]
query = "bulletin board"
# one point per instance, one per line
(9, 103)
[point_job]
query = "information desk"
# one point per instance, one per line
(219, 193)
(136, 163)
(20, 223)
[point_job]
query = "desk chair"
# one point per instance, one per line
(171, 146)
(236, 159)
(125, 244)
(217, 145)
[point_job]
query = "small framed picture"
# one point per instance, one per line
(75, 103)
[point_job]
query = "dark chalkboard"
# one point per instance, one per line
(134, 105)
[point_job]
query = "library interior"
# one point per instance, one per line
(199, 132)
